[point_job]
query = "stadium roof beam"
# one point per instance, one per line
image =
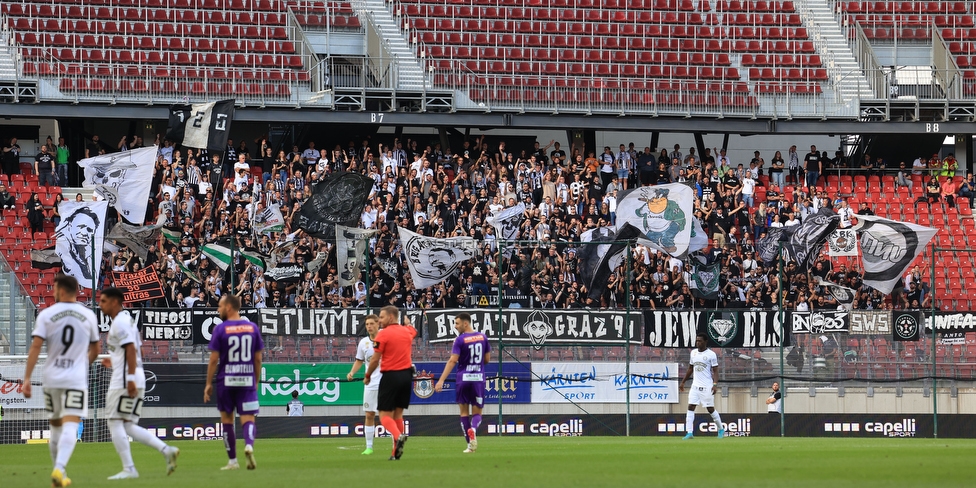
(510, 120)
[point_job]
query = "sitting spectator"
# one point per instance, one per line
(902, 179)
(933, 191)
(949, 191)
(968, 188)
(7, 201)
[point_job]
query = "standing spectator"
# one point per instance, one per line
(794, 165)
(93, 149)
(774, 404)
(61, 156)
(812, 167)
(11, 158)
(35, 213)
(44, 168)
(777, 165)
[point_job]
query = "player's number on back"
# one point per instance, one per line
(474, 350)
(240, 349)
(67, 338)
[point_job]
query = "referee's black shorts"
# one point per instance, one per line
(395, 387)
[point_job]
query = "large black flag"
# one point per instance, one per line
(800, 242)
(338, 199)
(201, 125)
(602, 255)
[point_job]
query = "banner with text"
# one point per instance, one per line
(514, 385)
(140, 285)
(316, 384)
(819, 322)
(724, 328)
(604, 383)
(540, 327)
(296, 322)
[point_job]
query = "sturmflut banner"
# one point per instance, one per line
(295, 322)
(540, 327)
(604, 382)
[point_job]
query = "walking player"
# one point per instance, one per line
(394, 346)
(704, 365)
(364, 353)
(235, 359)
(471, 353)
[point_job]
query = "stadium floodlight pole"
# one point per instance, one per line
(782, 337)
(935, 366)
(501, 345)
(628, 330)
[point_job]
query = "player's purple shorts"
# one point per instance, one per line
(242, 400)
(470, 393)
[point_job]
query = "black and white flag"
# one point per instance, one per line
(842, 242)
(800, 242)
(286, 273)
(138, 238)
(123, 179)
(706, 279)
(888, 248)
(819, 322)
(350, 248)
(201, 125)
(389, 266)
(507, 222)
(843, 295)
(907, 324)
(338, 199)
(433, 260)
(604, 253)
(269, 220)
(80, 238)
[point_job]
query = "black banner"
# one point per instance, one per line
(174, 385)
(820, 322)
(951, 322)
(540, 327)
(337, 199)
(906, 325)
(724, 328)
(296, 322)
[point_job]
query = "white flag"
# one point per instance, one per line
(123, 179)
(698, 239)
(844, 295)
(80, 239)
(269, 220)
(507, 221)
(662, 213)
(888, 248)
(842, 242)
(350, 247)
(432, 260)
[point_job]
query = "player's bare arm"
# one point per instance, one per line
(35, 352)
(714, 383)
(688, 373)
(94, 349)
(355, 368)
(447, 370)
(211, 371)
(130, 369)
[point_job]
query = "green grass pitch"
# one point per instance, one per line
(531, 462)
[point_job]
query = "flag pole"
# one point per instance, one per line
(94, 274)
(782, 338)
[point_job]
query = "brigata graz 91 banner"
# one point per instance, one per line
(540, 327)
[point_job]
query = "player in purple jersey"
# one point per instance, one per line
(471, 353)
(235, 361)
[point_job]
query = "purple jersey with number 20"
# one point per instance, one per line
(237, 342)
(471, 348)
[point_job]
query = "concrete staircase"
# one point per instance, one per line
(831, 41)
(410, 73)
(8, 61)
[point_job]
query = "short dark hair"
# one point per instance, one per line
(233, 301)
(66, 283)
(115, 293)
(464, 317)
(371, 316)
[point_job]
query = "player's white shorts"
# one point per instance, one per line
(63, 402)
(701, 395)
(371, 399)
(120, 406)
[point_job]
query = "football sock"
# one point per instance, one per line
(52, 443)
(121, 442)
(250, 432)
(370, 431)
(66, 446)
(400, 426)
(690, 422)
(143, 436)
(717, 419)
(465, 425)
(391, 427)
(476, 421)
(230, 441)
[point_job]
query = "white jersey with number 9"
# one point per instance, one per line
(68, 328)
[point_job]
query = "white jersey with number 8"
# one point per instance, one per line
(68, 328)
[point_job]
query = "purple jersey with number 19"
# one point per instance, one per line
(236, 341)
(471, 348)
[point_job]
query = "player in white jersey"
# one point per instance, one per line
(371, 391)
(704, 365)
(127, 387)
(71, 333)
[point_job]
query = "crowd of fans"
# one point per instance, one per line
(442, 192)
